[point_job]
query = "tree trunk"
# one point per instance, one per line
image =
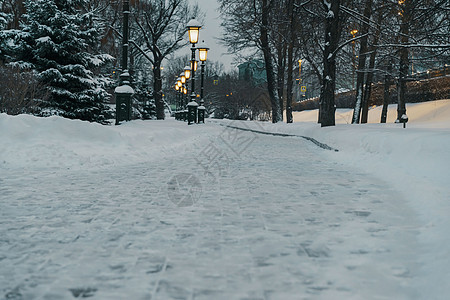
(332, 32)
(386, 96)
(281, 73)
(404, 59)
(368, 89)
(362, 63)
(290, 62)
(157, 90)
(271, 80)
(369, 79)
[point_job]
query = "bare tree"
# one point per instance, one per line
(20, 91)
(332, 34)
(250, 24)
(161, 26)
(362, 57)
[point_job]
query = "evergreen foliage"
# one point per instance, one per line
(60, 43)
(145, 101)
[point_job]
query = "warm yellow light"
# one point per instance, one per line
(354, 32)
(193, 29)
(300, 70)
(183, 79)
(193, 35)
(179, 82)
(185, 91)
(202, 51)
(195, 65)
(187, 72)
(177, 87)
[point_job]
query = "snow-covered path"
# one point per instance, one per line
(263, 217)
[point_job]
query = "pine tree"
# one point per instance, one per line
(60, 43)
(3, 20)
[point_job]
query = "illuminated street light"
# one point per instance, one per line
(193, 27)
(202, 53)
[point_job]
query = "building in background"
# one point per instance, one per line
(253, 71)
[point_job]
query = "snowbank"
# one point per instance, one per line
(433, 114)
(29, 142)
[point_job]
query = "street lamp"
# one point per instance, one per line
(177, 101)
(193, 27)
(353, 33)
(300, 71)
(187, 72)
(202, 54)
(124, 92)
(202, 51)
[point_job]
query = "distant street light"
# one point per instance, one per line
(300, 71)
(195, 65)
(187, 72)
(177, 102)
(353, 33)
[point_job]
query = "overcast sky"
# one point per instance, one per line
(211, 31)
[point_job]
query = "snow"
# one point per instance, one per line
(102, 211)
(44, 39)
(124, 89)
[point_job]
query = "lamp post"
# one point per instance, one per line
(300, 71)
(177, 102)
(353, 33)
(124, 92)
(299, 86)
(179, 85)
(185, 103)
(202, 54)
(193, 27)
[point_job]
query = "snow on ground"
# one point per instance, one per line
(101, 211)
(416, 160)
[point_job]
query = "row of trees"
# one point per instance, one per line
(69, 47)
(391, 37)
